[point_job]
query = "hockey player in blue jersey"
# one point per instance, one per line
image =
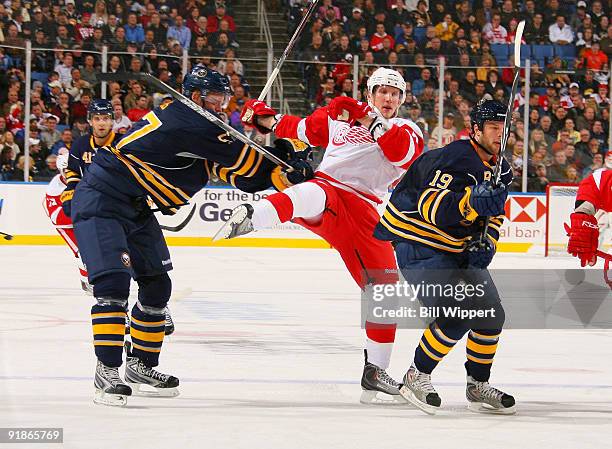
(167, 156)
(434, 218)
(100, 115)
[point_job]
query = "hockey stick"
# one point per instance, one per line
(518, 37)
(198, 109)
(290, 45)
(6, 236)
(182, 224)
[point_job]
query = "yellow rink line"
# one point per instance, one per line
(240, 242)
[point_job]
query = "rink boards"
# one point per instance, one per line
(22, 215)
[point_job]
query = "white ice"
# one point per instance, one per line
(268, 349)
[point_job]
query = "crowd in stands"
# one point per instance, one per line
(68, 39)
(569, 45)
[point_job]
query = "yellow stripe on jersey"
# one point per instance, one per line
(415, 227)
(66, 195)
(422, 198)
(223, 172)
(72, 176)
(418, 239)
(465, 208)
(159, 177)
(436, 205)
(403, 217)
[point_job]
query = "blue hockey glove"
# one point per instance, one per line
(488, 200)
(302, 171)
(480, 254)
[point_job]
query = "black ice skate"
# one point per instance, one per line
(238, 224)
(483, 398)
(419, 391)
(145, 381)
(378, 387)
(169, 329)
(110, 389)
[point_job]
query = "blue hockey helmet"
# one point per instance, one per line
(487, 111)
(100, 107)
(207, 81)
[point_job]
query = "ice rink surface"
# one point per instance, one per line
(268, 349)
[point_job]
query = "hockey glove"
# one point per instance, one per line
(347, 109)
(282, 179)
(483, 199)
(480, 253)
(294, 148)
(583, 238)
(254, 109)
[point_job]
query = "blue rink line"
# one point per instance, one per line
(310, 382)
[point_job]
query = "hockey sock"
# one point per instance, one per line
(480, 351)
(272, 211)
(147, 327)
(108, 322)
(436, 342)
(379, 343)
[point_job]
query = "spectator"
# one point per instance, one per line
(18, 173)
(49, 170)
(220, 14)
(62, 109)
(64, 142)
(535, 31)
(180, 33)
(50, 135)
(100, 13)
(7, 164)
(355, 22)
(560, 33)
(421, 16)
(133, 30)
(593, 58)
(65, 68)
(493, 32)
(376, 41)
(140, 109)
(121, 124)
(558, 169)
(598, 132)
(538, 182)
(89, 72)
(596, 164)
(80, 128)
(160, 29)
(445, 134)
(446, 29)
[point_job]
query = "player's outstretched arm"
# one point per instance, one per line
(313, 129)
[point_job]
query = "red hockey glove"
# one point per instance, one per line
(252, 110)
(583, 238)
(347, 109)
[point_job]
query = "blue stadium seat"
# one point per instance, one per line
(565, 51)
(525, 53)
(543, 52)
(501, 53)
(539, 90)
(43, 77)
(420, 35)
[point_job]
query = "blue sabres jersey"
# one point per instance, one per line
(170, 154)
(81, 155)
(430, 205)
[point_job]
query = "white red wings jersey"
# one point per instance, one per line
(53, 204)
(597, 189)
(353, 160)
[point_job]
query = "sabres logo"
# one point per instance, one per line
(201, 73)
(125, 260)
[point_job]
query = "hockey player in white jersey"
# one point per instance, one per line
(367, 149)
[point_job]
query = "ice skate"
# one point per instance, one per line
(483, 398)
(419, 391)
(146, 381)
(378, 387)
(238, 224)
(169, 329)
(110, 389)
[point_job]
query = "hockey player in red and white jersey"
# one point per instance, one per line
(367, 149)
(62, 223)
(594, 197)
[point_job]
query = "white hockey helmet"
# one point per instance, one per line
(387, 77)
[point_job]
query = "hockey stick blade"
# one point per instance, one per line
(182, 224)
(197, 109)
(6, 236)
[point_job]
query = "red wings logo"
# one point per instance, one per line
(355, 135)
